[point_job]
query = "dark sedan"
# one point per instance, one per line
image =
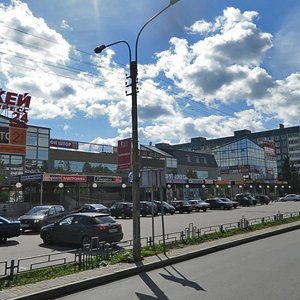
(168, 208)
(121, 209)
(182, 206)
(9, 229)
(80, 228)
(94, 207)
(217, 203)
(234, 203)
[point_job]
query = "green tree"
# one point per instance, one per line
(290, 174)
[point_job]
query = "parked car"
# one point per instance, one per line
(9, 229)
(217, 203)
(168, 208)
(245, 200)
(290, 197)
(263, 199)
(80, 228)
(146, 208)
(95, 208)
(182, 206)
(234, 203)
(121, 209)
(39, 216)
(199, 204)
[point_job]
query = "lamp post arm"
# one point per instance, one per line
(152, 18)
(99, 49)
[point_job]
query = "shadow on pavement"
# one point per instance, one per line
(9, 243)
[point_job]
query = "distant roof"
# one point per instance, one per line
(157, 150)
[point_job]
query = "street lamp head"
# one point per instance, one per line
(99, 49)
(172, 2)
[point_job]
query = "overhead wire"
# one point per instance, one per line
(96, 76)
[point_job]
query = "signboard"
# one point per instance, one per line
(13, 140)
(107, 179)
(31, 178)
(63, 144)
(64, 178)
(269, 147)
(16, 104)
(176, 178)
(124, 153)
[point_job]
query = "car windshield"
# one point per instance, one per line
(38, 210)
(105, 219)
(3, 220)
(98, 206)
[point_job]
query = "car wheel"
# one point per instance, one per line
(3, 238)
(47, 238)
(198, 209)
(204, 209)
(144, 214)
(86, 240)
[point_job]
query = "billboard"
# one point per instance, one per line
(15, 104)
(269, 147)
(124, 154)
(63, 144)
(13, 140)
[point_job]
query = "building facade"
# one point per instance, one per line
(285, 141)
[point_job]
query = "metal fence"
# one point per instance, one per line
(91, 255)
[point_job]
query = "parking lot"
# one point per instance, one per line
(30, 244)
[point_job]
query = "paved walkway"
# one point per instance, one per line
(51, 289)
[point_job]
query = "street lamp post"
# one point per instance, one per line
(135, 154)
(60, 185)
(95, 185)
(123, 191)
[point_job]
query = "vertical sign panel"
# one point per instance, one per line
(124, 154)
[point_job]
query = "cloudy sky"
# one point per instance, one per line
(205, 67)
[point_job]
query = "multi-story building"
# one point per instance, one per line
(284, 140)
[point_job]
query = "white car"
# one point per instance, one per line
(290, 197)
(199, 204)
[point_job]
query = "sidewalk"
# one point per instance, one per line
(86, 279)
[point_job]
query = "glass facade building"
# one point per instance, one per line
(37, 153)
(243, 159)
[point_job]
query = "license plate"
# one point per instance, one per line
(113, 230)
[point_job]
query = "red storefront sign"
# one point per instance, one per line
(124, 153)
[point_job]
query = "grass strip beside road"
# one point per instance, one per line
(34, 276)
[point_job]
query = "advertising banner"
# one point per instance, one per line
(63, 144)
(124, 154)
(13, 140)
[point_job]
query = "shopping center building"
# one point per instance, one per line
(39, 169)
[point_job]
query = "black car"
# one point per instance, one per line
(9, 229)
(182, 206)
(234, 203)
(263, 199)
(95, 208)
(146, 208)
(121, 209)
(39, 216)
(80, 228)
(168, 208)
(245, 200)
(217, 203)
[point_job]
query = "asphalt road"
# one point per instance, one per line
(261, 270)
(30, 244)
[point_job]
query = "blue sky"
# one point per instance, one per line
(206, 68)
